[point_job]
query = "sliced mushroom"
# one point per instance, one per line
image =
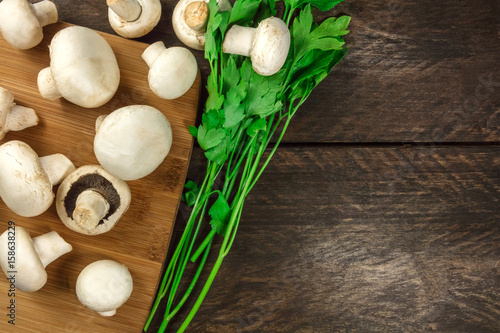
(14, 117)
(26, 181)
(189, 21)
(31, 256)
(83, 68)
(267, 45)
(133, 18)
(132, 141)
(172, 71)
(21, 23)
(91, 201)
(104, 286)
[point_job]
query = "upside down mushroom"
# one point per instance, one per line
(133, 18)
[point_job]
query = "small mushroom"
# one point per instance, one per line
(132, 141)
(133, 18)
(104, 286)
(189, 20)
(83, 68)
(91, 201)
(267, 45)
(31, 256)
(26, 181)
(21, 23)
(172, 71)
(14, 117)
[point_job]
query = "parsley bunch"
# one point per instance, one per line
(245, 118)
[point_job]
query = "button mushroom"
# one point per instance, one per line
(14, 117)
(133, 18)
(104, 286)
(21, 23)
(267, 45)
(31, 256)
(83, 68)
(26, 181)
(132, 141)
(91, 201)
(172, 71)
(189, 21)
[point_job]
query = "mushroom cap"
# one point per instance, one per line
(24, 185)
(31, 275)
(190, 37)
(133, 141)
(104, 285)
(19, 24)
(115, 190)
(84, 66)
(173, 72)
(149, 18)
(6, 103)
(270, 46)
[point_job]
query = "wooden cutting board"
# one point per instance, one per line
(141, 237)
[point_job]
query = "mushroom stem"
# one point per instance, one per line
(152, 52)
(128, 10)
(239, 40)
(57, 167)
(47, 86)
(90, 208)
(20, 117)
(196, 15)
(107, 313)
(45, 12)
(50, 246)
(99, 121)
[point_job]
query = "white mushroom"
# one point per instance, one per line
(21, 23)
(133, 18)
(27, 267)
(189, 20)
(267, 45)
(132, 141)
(91, 201)
(83, 68)
(26, 181)
(104, 286)
(172, 71)
(14, 117)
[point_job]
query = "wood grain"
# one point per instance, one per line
(141, 237)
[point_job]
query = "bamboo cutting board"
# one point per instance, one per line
(140, 239)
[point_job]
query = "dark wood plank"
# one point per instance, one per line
(364, 240)
(421, 71)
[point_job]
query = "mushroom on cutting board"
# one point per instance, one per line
(83, 68)
(267, 45)
(132, 141)
(189, 20)
(172, 71)
(26, 180)
(91, 201)
(104, 286)
(14, 117)
(21, 23)
(32, 256)
(133, 18)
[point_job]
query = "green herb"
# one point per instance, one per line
(245, 118)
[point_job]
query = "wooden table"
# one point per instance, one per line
(380, 212)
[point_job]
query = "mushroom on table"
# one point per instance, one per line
(33, 255)
(26, 180)
(21, 22)
(267, 45)
(14, 117)
(133, 141)
(172, 70)
(133, 18)
(83, 68)
(91, 201)
(104, 286)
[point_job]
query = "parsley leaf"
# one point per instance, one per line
(219, 212)
(322, 5)
(191, 193)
